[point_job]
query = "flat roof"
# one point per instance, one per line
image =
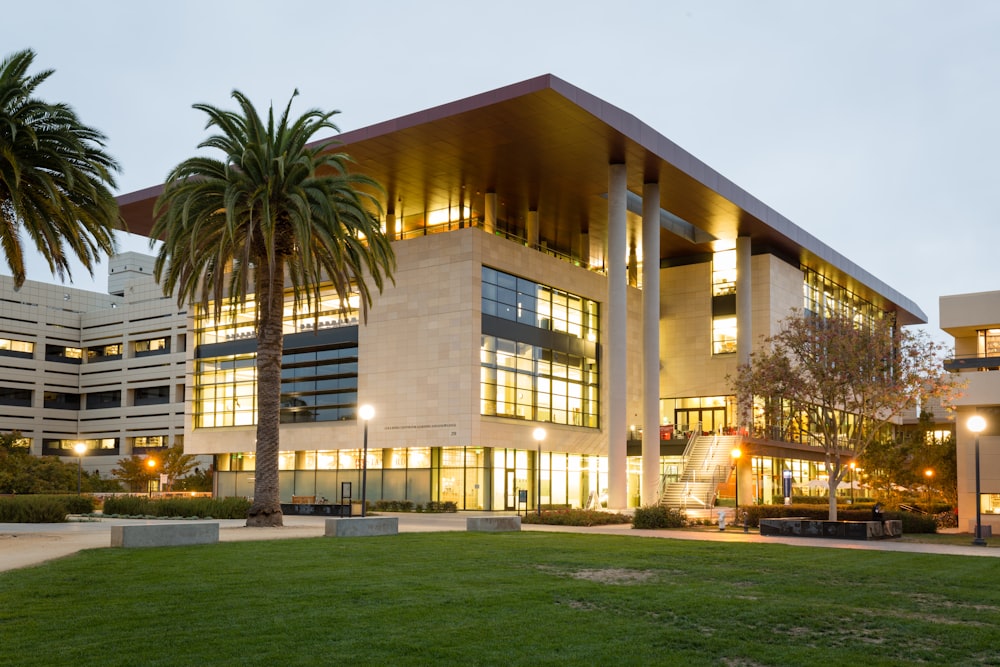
(545, 145)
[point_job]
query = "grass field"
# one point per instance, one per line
(501, 599)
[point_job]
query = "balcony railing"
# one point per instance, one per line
(968, 362)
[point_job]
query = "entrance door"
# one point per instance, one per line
(711, 419)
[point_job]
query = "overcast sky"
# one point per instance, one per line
(872, 125)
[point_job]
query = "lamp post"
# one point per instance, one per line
(976, 424)
(929, 474)
(80, 448)
(736, 454)
(151, 464)
(852, 465)
(539, 434)
(366, 412)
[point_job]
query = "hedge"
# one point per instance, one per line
(43, 508)
(215, 508)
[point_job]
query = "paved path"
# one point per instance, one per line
(23, 545)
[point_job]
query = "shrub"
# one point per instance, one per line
(32, 509)
(78, 504)
(656, 516)
(217, 508)
(433, 506)
(912, 523)
(575, 517)
(393, 506)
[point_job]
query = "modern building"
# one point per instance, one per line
(107, 370)
(974, 322)
(561, 265)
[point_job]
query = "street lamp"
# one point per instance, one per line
(539, 434)
(852, 465)
(151, 464)
(366, 412)
(977, 424)
(929, 474)
(736, 454)
(80, 448)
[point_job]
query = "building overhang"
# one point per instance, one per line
(544, 145)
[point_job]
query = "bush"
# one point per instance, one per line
(217, 508)
(78, 504)
(912, 523)
(433, 506)
(32, 509)
(575, 517)
(656, 516)
(393, 506)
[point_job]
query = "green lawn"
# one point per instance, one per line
(501, 599)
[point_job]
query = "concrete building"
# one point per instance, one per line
(560, 265)
(103, 369)
(974, 321)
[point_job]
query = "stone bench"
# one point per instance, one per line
(846, 530)
(164, 534)
(493, 524)
(362, 526)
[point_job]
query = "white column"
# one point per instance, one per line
(650, 342)
(531, 229)
(617, 314)
(744, 317)
(390, 226)
(490, 212)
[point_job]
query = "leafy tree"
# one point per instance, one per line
(21, 472)
(274, 210)
(55, 177)
(198, 480)
(176, 464)
(844, 384)
(135, 472)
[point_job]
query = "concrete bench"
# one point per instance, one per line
(362, 526)
(164, 534)
(492, 524)
(848, 530)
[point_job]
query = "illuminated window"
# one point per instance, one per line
(16, 348)
(723, 335)
(151, 346)
(527, 382)
(724, 273)
(824, 298)
(527, 302)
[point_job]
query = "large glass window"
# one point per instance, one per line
(825, 298)
(528, 382)
(541, 306)
(104, 399)
(237, 323)
(151, 346)
(724, 273)
(723, 335)
(16, 396)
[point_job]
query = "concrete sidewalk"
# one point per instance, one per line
(23, 545)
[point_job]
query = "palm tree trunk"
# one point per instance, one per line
(266, 508)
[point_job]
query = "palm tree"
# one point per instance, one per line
(55, 178)
(274, 210)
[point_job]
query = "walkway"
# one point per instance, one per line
(23, 545)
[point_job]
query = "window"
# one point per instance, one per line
(64, 354)
(149, 441)
(151, 346)
(724, 273)
(104, 399)
(62, 401)
(989, 342)
(151, 395)
(524, 381)
(104, 352)
(17, 348)
(825, 298)
(15, 396)
(723, 335)
(527, 302)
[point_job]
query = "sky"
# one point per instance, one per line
(871, 125)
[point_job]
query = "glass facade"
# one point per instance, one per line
(825, 298)
(553, 379)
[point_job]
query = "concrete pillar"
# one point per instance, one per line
(390, 226)
(744, 318)
(617, 314)
(650, 342)
(531, 229)
(490, 212)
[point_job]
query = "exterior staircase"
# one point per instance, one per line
(707, 463)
